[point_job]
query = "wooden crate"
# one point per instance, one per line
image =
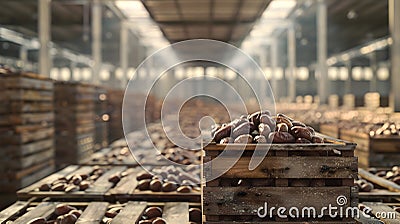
(330, 130)
(26, 130)
(74, 122)
(103, 189)
(378, 151)
(21, 212)
(386, 190)
(297, 175)
(115, 98)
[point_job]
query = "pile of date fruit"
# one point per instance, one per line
(262, 127)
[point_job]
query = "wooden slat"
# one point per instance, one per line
(12, 210)
(31, 160)
(23, 94)
(337, 145)
(378, 180)
(26, 149)
(20, 82)
(23, 192)
(26, 107)
(102, 185)
(246, 201)
(176, 212)
(93, 214)
(127, 185)
(131, 213)
(22, 119)
(380, 209)
(290, 167)
(44, 209)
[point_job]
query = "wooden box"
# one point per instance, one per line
(291, 175)
(330, 130)
(102, 189)
(115, 98)
(74, 122)
(26, 129)
(377, 151)
(21, 212)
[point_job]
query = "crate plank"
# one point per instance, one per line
(246, 201)
(176, 212)
(102, 184)
(18, 82)
(26, 95)
(29, 160)
(128, 184)
(25, 107)
(131, 212)
(93, 214)
(44, 209)
(23, 119)
(14, 209)
(23, 193)
(26, 149)
(291, 167)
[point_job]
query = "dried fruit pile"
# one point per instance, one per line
(261, 127)
(170, 179)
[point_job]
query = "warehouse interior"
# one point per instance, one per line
(91, 120)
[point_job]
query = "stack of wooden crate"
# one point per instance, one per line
(101, 118)
(26, 130)
(115, 98)
(74, 108)
(291, 176)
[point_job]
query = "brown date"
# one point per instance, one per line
(223, 132)
(244, 139)
(281, 137)
(301, 132)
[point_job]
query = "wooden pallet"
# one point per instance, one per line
(17, 179)
(298, 175)
(378, 151)
(102, 189)
(115, 98)
(74, 123)
(95, 212)
(330, 130)
(26, 130)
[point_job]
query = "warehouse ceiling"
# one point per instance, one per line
(350, 23)
(225, 20)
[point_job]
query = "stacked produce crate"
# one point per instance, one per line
(115, 98)
(101, 118)
(74, 107)
(26, 129)
(302, 170)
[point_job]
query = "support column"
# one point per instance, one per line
(374, 66)
(394, 26)
(274, 66)
(263, 65)
(72, 74)
(322, 23)
(96, 40)
(347, 84)
(291, 36)
(124, 54)
(44, 25)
